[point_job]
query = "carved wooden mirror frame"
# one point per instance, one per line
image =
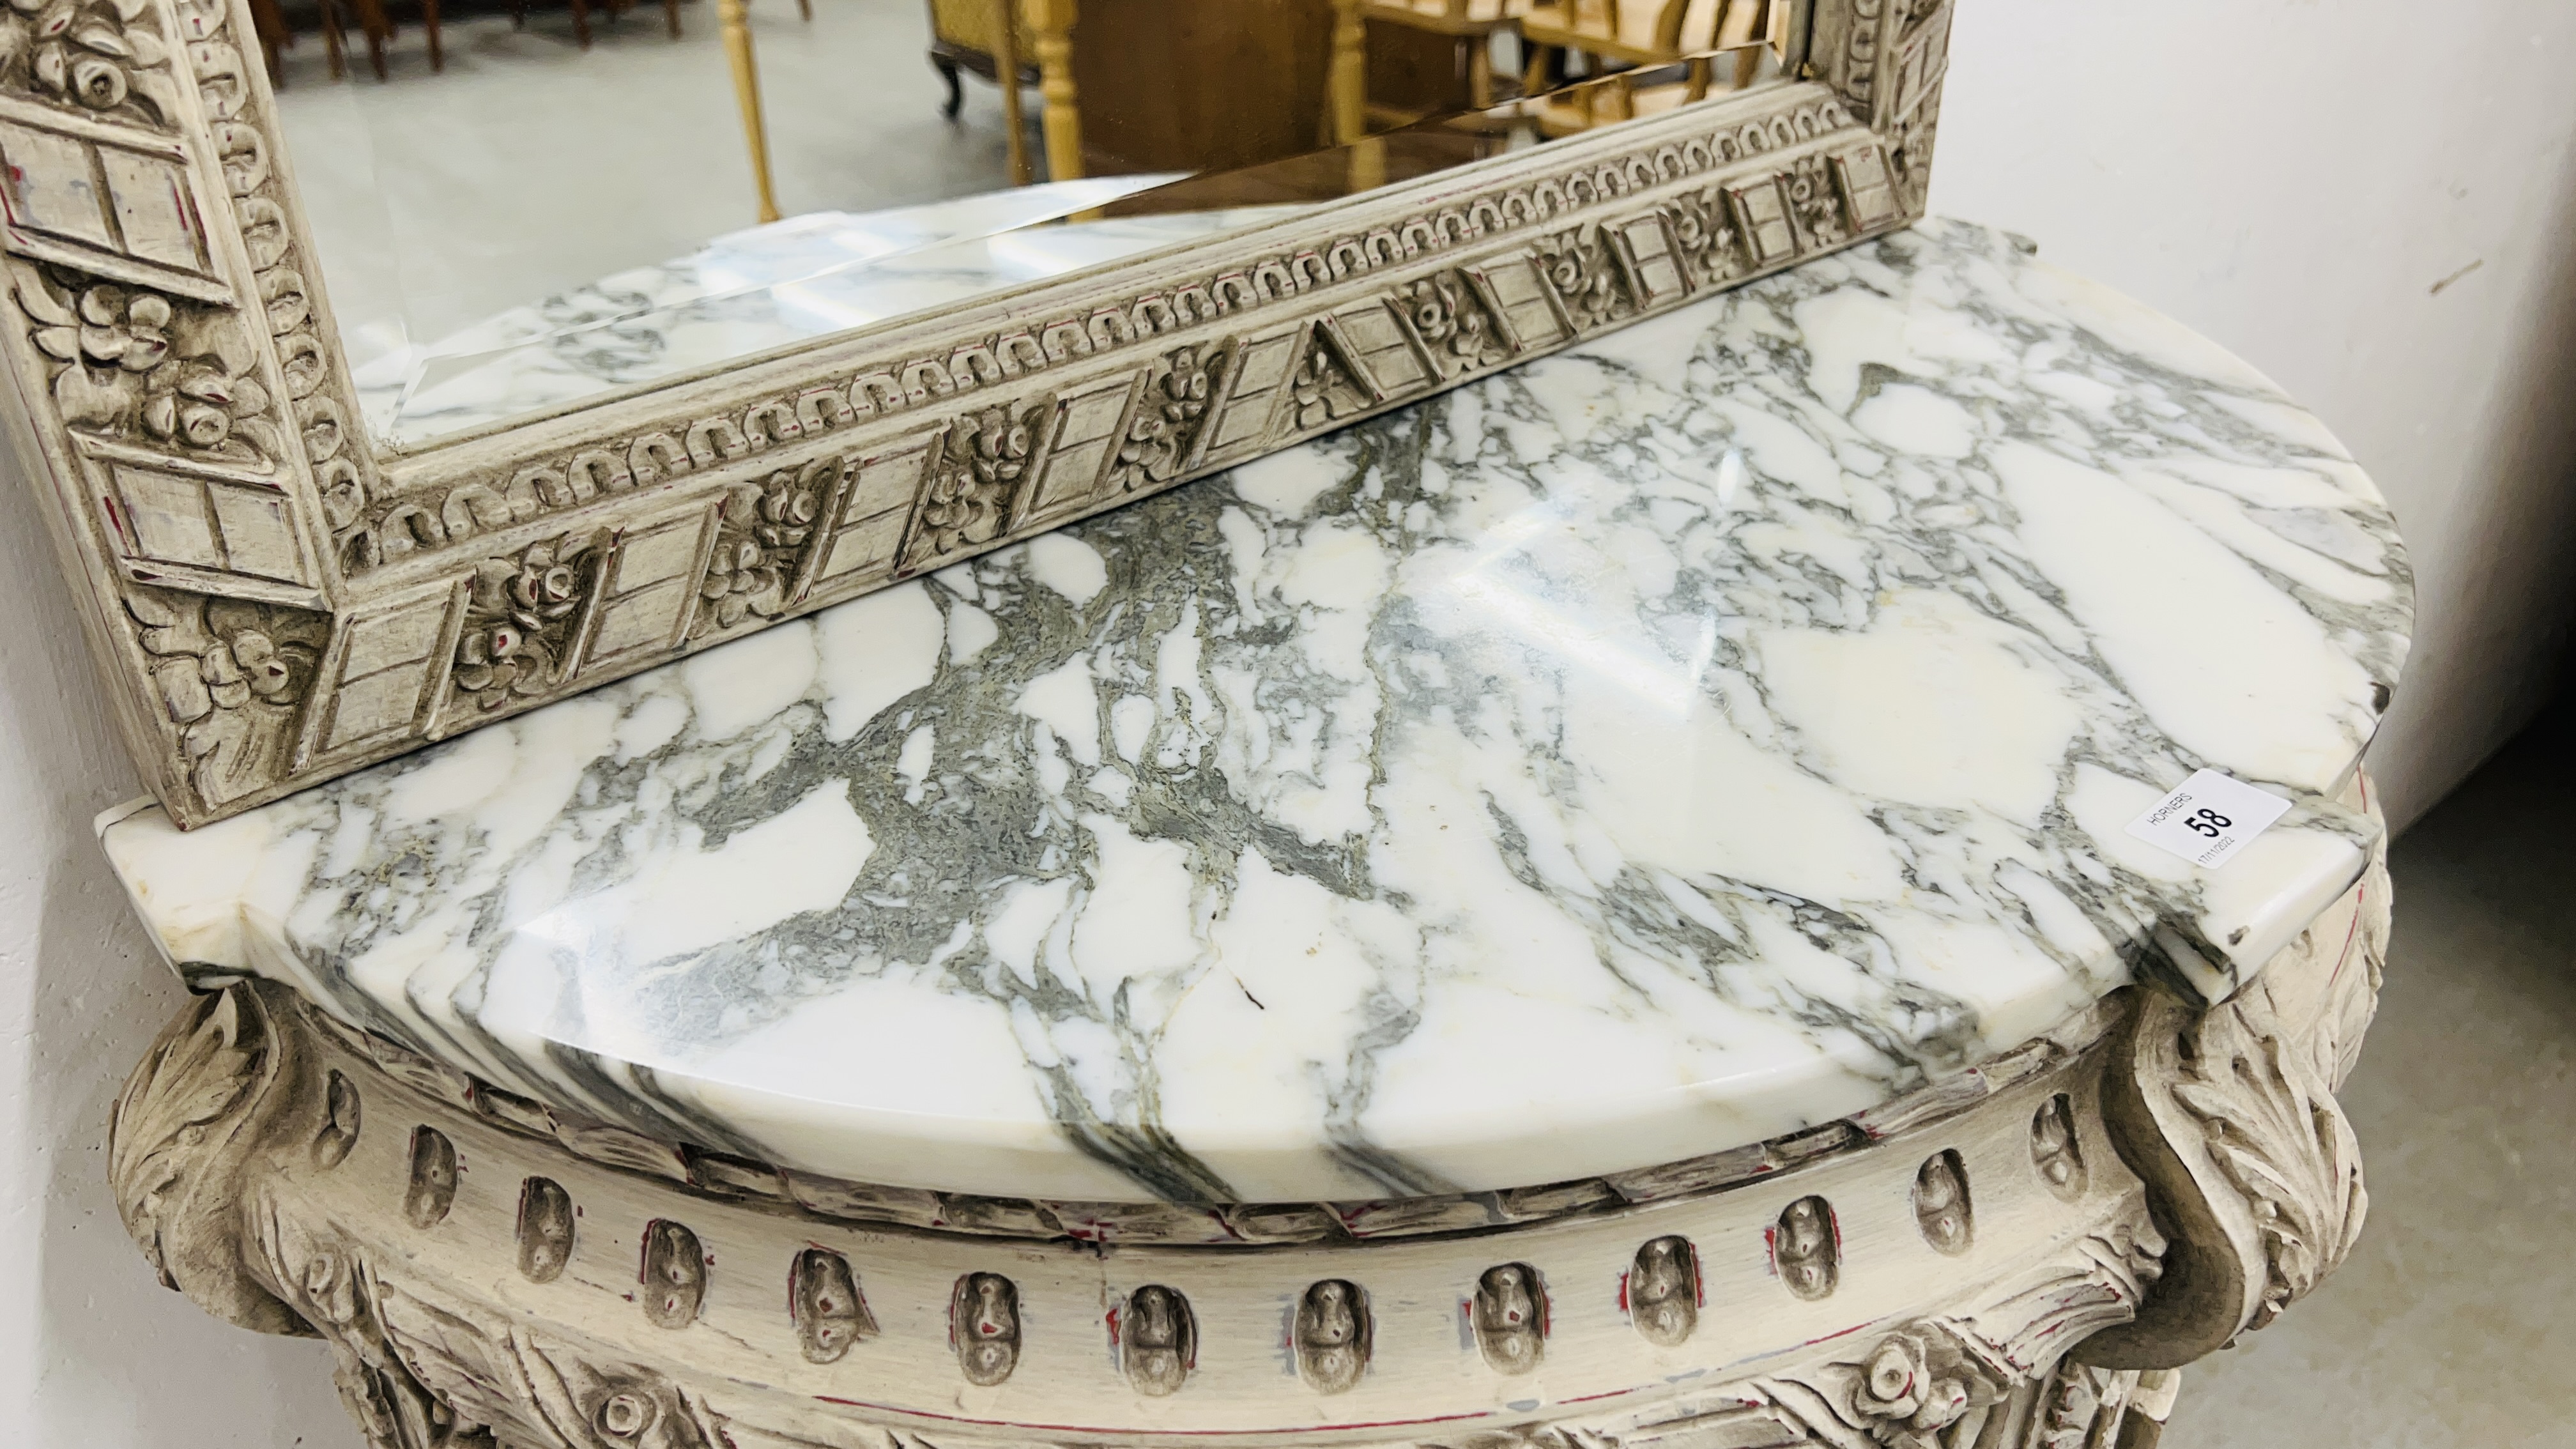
(276, 603)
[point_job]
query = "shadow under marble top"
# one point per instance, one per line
(1706, 733)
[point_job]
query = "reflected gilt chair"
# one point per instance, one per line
(983, 36)
(1618, 40)
(990, 38)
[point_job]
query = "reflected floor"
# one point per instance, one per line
(530, 166)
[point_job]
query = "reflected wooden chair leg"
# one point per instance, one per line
(805, 8)
(379, 29)
(335, 39)
(429, 22)
(581, 22)
(955, 105)
(518, 14)
(1367, 169)
(1480, 71)
(1050, 26)
(671, 13)
(735, 18)
(268, 19)
(1346, 82)
(1006, 71)
(1741, 32)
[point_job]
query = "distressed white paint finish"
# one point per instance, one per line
(1705, 735)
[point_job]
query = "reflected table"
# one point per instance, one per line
(1611, 907)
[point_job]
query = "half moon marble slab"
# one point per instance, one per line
(1710, 732)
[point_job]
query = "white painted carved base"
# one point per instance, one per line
(2014, 1258)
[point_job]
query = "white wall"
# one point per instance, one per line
(93, 1351)
(2292, 177)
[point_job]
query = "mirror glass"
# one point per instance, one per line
(527, 205)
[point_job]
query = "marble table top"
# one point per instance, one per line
(1716, 730)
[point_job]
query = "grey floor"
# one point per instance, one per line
(2454, 1326)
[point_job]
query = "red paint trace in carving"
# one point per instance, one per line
(1837, 1333)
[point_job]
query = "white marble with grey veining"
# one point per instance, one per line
(1706, 733)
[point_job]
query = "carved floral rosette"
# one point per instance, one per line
(180, 375)
(2017, 1256)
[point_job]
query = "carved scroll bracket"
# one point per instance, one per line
(184, 1147)
(2230, 1117)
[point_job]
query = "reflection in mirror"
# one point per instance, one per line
(527, 207)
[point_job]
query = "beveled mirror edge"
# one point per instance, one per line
(174, 368)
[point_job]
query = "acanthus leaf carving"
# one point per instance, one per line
(2282, 1140)
(419, 1374)
(2352, 989)
(2229, 1116)
(195, 1077)
(183, 1131)
(234, 677)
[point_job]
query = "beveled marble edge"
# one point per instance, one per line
(2306, 862)
(2202, 932)
(2315, 855)
(1214, 1225)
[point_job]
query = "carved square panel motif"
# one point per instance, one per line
(125, 210)
(206, 523)
(1762, 214)
(1867, 188)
